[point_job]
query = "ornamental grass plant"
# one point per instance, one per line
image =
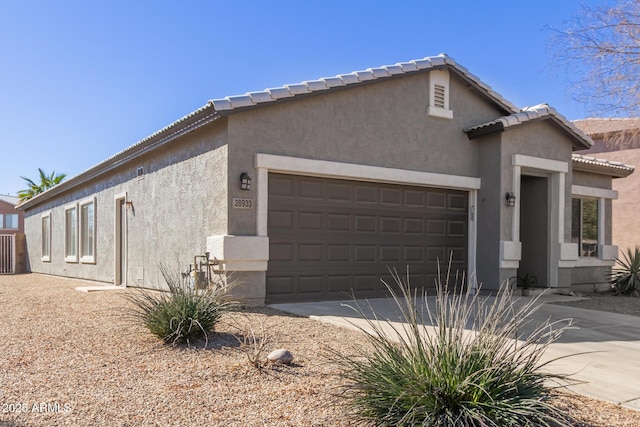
(470, 361)
(625, 275)
(182, 315)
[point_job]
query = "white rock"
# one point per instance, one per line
(280, 356)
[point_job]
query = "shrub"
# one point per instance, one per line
(181, 315)
(625, 275)
(465, 370)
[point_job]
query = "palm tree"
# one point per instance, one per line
(46, 182)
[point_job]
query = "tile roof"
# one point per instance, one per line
(217, 108)
(310, 86)
(536, 112)
(9, 199)
(617, 168)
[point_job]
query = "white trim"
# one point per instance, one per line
(262, 185)
(87, 259)
(266, 163)
(439, 78)
(239, 253)
(592, 262)
(45, 258)
(555, 170)
(70, 258)
(569, 252)
(439, 112)
(472, 242)
(515, 219)
(580, 190)
(540, 163)
(510, 251)
(325, 168)
(601, 226)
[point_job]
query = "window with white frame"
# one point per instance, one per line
(46, 237)
(585, 214)
(71, 233)
(87, 230)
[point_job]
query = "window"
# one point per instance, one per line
(9, 221)
(87, 231)
(71, 234)
(46, 237)
(584, 226)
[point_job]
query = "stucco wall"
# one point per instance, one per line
(490, 201)
(382, 123)
(626, 229)
(180, 200)
(591, 180)
(541, 139)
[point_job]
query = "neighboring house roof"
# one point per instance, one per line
(528, 114)
(217, 108)
(9, 199)
(602, 166)
(602, 126)
(612, 134)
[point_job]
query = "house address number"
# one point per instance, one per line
(242, 203)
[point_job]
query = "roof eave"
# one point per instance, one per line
(184, 125)
(602, 170)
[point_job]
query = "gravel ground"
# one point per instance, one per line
(73, 359)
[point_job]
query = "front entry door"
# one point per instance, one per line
(534, 228)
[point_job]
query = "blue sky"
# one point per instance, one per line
(82, 80)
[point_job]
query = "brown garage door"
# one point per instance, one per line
(329, 237)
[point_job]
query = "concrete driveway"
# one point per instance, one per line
(610, 371)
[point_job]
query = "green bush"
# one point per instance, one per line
(625, 275)
(183, 314)
(465, 370)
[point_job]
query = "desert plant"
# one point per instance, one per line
(625, 275)
(181, 315)
(253, 343)
(468, 362)
(528, 280)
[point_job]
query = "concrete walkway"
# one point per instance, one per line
(610, 371)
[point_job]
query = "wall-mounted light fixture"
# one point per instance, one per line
(511, 199)
(129, 204)
(245, 181)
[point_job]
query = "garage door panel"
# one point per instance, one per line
(391, 196)
(345, 235)
(366, 194)
(436, 200)
(456, 228)
(310, 189)
(338, 253)
(280, 219)
(457, 202)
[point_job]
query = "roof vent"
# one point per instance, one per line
(439, 94)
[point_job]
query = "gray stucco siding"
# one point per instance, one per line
(594, 180)
(381, 124)
(490, 202)
(180, 200)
